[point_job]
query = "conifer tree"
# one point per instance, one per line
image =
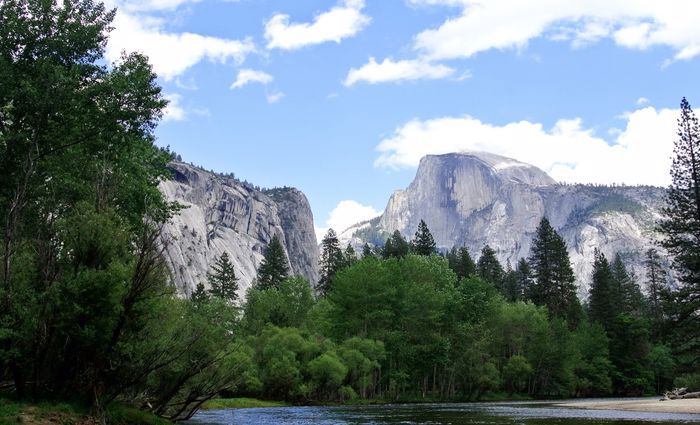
(200, 294)
(603, 298)
(554, 278)
(656, 284)
(630, 296)
(423, 242)
(523, 275)
(367, 251)
(489, 268)
(509, 288)
(461, 262)
(349, 256)
(332, 260)
(396, 246)
(274, 267)
(681, 228)
(223, 280)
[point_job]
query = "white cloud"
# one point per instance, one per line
(344, 215)
(274, 97)
(569, 152)
(171, 54)
(174, 111)
(342, 21)
(642, 101)
(248, 76)
(152, 5)
(511, 24)
(390, 70)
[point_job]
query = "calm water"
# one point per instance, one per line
(510, 413)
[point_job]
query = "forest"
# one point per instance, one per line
(88, 312)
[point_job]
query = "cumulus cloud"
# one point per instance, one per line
(248, 76)
(639, 154)
(171, 54)
(403, 70)
(342, 21)
(642, 101)
(344, 215)
(174, 111)
(511, 24)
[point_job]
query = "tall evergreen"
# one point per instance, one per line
(630, 296)
(274, 267)
(222, 279)
(489, 268)
(423, 242)
(349, 256)
(461, 262)
(509, 288)
(332, 260)
(523, 275)
(554, 278)
(681, 228)
(200, 294)
(603, 297)
(656, 284)
(367, 251)
(396, 246)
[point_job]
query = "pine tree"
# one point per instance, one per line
(423, 242)
(489, 268)
(367, 251)
(274, 267)
(200, 294)
(656, 284)
(349, 256)
(223, 280)
(603, 297)
(396, 246)
(630, 296)
(509, 288)
(461, 262)
(554, 278)
(523, 274)
(331, 261)
(681, 228)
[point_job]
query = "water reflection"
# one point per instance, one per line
(510, 413)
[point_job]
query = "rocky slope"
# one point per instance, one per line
(478, 198)
(222, 214)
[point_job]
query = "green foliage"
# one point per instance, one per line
(240, 403)
(489, 268)
(461, 262)
(396, 246)
(223, 280)
(423, 242)
(273, 268)
(284, 306)
(332, 260)
(553, 276)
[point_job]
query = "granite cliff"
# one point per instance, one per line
(476, 199)
(222, 214)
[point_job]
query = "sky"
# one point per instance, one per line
(341, 98)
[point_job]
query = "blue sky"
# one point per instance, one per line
(341, 98)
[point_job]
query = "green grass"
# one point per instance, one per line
(241, 403)
(15, 412)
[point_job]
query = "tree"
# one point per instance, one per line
(681, 228)
(200, 294)
(396, 246)
(423, 242)
(331, 261)
(489, 268)
(349, 256)
(223, 280)
(630, 296)
(367, 251)
(554, 278)
(657, 289)
(523, 276)
(461, 262)
(509, 287)
(274, 266)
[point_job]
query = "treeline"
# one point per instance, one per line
(446, 327)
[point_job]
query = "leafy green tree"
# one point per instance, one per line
(681, 230)
(554, 278)
(223, 280)
(489, 268)
(286, 305)
(332, 260)
(274, 267)
(423, 242)
(516, 373)
(396, 246)
(593, 367)
(327, 374)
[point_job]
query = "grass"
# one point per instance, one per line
(59, 413)
(241, 403)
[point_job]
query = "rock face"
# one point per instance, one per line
(221, 215)
(479, 198)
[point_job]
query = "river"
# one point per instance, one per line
(502, 413)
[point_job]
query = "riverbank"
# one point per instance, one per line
(691, 406)
(53, 413)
